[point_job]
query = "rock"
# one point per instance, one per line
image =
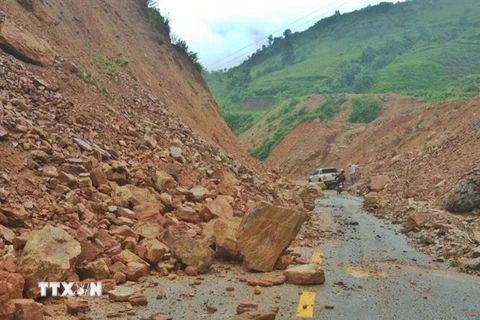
(68, 179)
(305, 274)
(265, 232)
(6, 234)
(149, 230)
(7, 311)
(257, 315)
(50, 253)
(119, 277)
(16, 217)
(257, 290)
(476, 253)
(124, 231)
(218, 208)
(12, 284)
(108, 285)
(191, 252)
(3, 133)
(39, 82)
(83, 144)
(138, 300)
(159, 316)
(70, 66)
(136, 271)
(164, 182)
(176, 153)
(225, 233)
(372, 201)
(148, 211)
(417, 220)
(246, 306)
(28, 309)
(191, 271)
(8, 263)
(472, 264)
(378, 183)
(188, 214)
(98, 177)
(254, 281)
(120, 294)
(130, 195)
(127, 256)
(76, 305)
(25, 45)
(465, 196)
(152, 250)
(283, 262)
(198, 193)
(97, 270)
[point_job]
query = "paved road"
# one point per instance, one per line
(371, 271)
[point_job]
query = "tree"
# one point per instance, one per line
(287, 53)
(270, 40)
(287, 33)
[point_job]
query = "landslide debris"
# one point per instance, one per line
(97, 195)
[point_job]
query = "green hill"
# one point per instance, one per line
(425, 48)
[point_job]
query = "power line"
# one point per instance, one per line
(281, 29)
(239, 56)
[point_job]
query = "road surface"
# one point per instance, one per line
(371, 273)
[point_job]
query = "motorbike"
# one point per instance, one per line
(339, 187)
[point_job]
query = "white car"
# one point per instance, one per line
(325, 175)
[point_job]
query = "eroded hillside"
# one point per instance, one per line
(109, 38)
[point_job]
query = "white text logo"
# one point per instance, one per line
(71, 289)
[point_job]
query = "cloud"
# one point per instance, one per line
(219, 30)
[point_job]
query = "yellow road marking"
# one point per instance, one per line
(317, 257)
(305, 305)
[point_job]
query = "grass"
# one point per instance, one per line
(88, 78)
(112, 67)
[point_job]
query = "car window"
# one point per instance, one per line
(329, 170)
(315, 172)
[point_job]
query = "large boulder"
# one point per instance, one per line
(50, 254)
(465, 196)
(378, 183)
(190, 251)
(225, 232)
(305, 274)
(25, 45)
(265, 232)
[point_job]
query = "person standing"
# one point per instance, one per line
(353, 170)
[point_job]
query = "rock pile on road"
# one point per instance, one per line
(117, 192)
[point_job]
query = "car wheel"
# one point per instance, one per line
(309, 180)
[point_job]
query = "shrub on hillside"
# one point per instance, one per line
(364, 110)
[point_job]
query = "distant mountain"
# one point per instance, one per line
(424, 48)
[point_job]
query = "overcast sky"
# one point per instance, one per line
(219, 29)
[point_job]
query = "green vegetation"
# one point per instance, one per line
(364, 110)
(426, 48)
(290, 116)
(91, 80)
(112, 67)
(162, 24)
